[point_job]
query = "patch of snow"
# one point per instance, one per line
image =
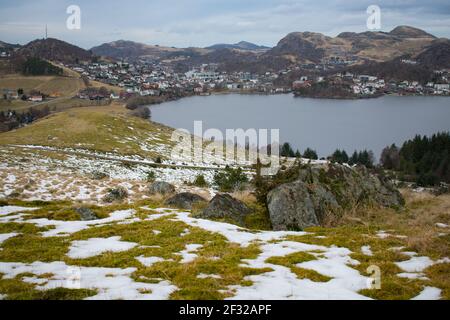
(441, 225)
(443, 260)
(63, 228)
(232, 232)
(6, 236)
(282, 283)
(14, 209)
(188, 254)
(396, 248)
(429, 293)
(111, 283)
(366, 251)
(95, 246)
(10, 178)
(206, 276)
(382, 234)
(185, 232)
(412, 275)
(415, 264)
(409, 253)
(149, 261)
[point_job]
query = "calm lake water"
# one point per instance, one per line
(323, 125)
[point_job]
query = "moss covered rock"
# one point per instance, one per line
(326, 189)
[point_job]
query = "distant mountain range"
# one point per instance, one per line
(297, 48)
(243, 45)
(123, 49)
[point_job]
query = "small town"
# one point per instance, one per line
(153, 79)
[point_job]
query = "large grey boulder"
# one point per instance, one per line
(322, 190)
(223, 206)
(161, 187)
(294, 206)
(184, 200)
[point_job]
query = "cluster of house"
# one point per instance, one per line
(13, 94)
(207, 78)
(370, 85)
(151, 79)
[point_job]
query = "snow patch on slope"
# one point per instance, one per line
(95, 246)
(110, 283)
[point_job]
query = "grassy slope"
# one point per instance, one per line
(103, 128)
(64, 86)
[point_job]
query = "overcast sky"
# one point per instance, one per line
(184, 23)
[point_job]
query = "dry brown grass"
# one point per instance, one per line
(417, 221)
(244, 196)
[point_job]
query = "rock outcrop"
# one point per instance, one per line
(184, 200)
(321, 190)
(223, 206)
(161, 187)
(86, 214)
(116, 194)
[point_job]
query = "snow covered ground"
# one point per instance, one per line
(68, 174)
(35, 173)
(117, 283)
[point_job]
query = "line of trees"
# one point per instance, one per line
(365, 157)
(287, 151)
(424, 160)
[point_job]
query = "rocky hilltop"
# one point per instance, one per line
(54, 50)
(305, 47)
(294, 48)
(327, 189)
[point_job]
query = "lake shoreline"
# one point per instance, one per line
(252, 93)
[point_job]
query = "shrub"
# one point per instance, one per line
(151, 176)
(200, 181)
(141, 112)
(230, 179)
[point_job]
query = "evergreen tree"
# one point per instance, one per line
(353, 159)
(286, 150)
(310, 154)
